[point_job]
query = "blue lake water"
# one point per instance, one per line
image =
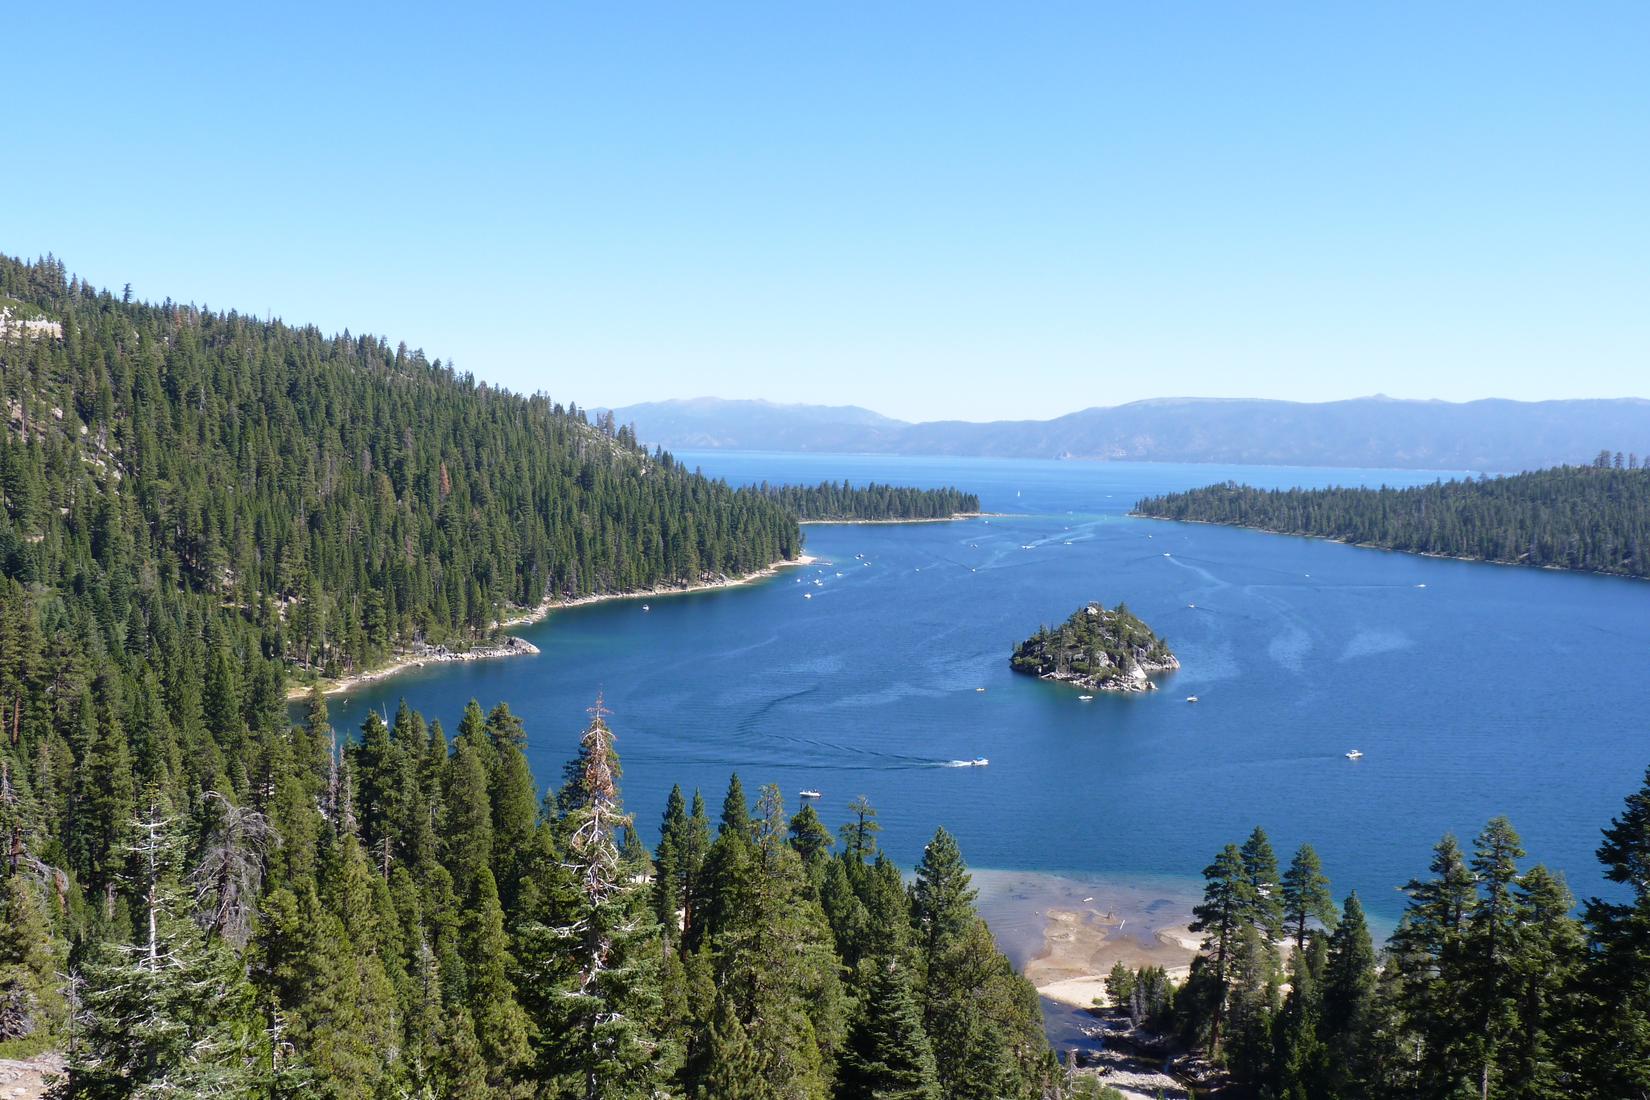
(1473, 690)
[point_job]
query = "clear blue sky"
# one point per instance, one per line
(936, 210)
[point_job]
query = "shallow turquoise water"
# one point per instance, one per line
(1472, 689)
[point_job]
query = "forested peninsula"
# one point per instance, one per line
(828, 502)
(319, 500)
(1593, 517)
(1096, 649)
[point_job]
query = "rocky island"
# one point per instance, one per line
(1097, 650)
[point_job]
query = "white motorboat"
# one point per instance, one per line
(1085, 698)
(978, 762)
(1354, 755)
(1191, 698)
(808, 794)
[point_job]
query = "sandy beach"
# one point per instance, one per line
(1080, 947)
(1066, 932)
(528, 616)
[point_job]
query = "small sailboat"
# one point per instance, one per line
(1191, 698)
(807, 794)
(1354, 755)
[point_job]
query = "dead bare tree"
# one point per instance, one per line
(230, 871)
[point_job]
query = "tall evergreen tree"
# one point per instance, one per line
(600, 1038)
(887, 1056)
(1305, 895)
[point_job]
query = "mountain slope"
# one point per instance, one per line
(1494, 435)
(320, 499)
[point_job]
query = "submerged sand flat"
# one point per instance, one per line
(1066, 933)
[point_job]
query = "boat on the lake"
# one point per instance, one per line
(1191, 698)
(1085, 698)
(807, 794)
(645, 607)
(978, 762)
(1354, 755)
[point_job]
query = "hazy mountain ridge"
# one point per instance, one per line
(1492, 435)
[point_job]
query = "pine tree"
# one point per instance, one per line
(1430, 950)
(1550, 950)
(887, 1056)
(736, 814)
(1349, 995)
(600, 1039)
(859, 837)
(1305, 895)
(732, 1070)
(500, 1025)
(1220, 917)
(1492, 935)
(1265, 899)
(810, 838)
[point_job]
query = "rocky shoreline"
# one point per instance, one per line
(1136, 679)
(512, 646)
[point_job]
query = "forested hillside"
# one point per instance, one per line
(319, 499)
(829, 501)
(199, 899)
(1572, 517)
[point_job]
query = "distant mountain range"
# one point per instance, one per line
(1492, 435)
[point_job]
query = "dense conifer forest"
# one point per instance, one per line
(317, 499)
(1593, 517)
(406, 916)
(828, 501)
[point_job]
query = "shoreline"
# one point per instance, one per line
(510, 646)
(1393, 549)
(891, 522)
(1065, 932)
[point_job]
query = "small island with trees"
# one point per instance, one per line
(1097, 650)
